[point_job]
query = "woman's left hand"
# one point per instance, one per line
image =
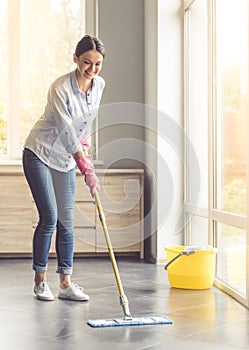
(86, 167)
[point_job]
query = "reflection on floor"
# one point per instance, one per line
(202, 319)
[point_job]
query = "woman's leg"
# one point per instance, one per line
(40, 181)
(64, 184)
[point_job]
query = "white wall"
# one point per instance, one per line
(170, 102)
(164, 90)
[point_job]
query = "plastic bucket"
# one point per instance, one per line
(192, 270)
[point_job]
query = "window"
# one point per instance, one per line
(230, 136)
(232, 110)
(4, 77)
(216, 121)
(38, 39)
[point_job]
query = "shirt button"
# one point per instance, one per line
(80, 129)
(84, 122)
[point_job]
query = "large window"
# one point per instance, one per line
(217, 109)
(4, 76)
(231, 104)
(38, 39)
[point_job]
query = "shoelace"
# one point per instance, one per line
(44, 286)
(76, 286)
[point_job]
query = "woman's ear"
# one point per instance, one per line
(75, 58)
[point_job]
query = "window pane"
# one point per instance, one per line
(197, 96)
(47, 49)
(232, 104)
(4, 77)
(231, 257)
(38, 39)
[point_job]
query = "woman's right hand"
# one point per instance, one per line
(92, 182)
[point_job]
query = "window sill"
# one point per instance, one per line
(4, 162)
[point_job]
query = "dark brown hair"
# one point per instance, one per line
(89, 43)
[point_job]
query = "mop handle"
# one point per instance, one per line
(108, 240)
(123, 299)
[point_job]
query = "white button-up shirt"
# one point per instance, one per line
(66, 121)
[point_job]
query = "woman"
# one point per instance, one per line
(53, 147)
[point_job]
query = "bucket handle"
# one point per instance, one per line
(187, 253)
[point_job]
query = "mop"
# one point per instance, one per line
(127, 319)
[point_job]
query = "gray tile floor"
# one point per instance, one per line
(202, 319)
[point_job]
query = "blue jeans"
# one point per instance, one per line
(53, 192)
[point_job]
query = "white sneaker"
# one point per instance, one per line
(43, 292)
(73, 293)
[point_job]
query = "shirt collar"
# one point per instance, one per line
(74, 83)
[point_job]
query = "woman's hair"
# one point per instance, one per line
(89, 43)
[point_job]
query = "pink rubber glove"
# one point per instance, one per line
(86, 167)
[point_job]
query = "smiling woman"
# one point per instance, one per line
(55, 144)
(32, 44)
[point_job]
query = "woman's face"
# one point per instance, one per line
(89, 63)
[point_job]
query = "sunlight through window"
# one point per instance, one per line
(38, 41)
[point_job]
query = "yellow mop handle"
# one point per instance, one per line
(108, 242)
(123, 299)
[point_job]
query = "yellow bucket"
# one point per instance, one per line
(190, 268)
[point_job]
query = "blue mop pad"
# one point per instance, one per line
(138, 321)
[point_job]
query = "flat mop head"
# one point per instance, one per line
(138, 321)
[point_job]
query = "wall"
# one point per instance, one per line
(170, 123)
(151, 92)
(121, 121)
(164, 91)
(142, 100)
